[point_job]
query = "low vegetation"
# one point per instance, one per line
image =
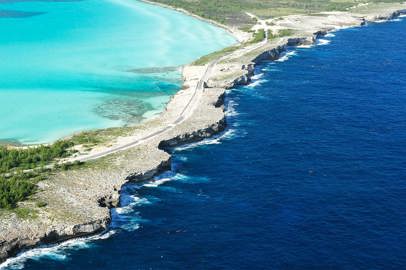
(26, 213)
(280, 33)
(16, 188)
(12, 159)
(258, 36)
(210, 57)
(285, 32)
(22, 168)
(233, 12)
(93, 137)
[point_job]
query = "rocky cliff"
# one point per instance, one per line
(79, 201)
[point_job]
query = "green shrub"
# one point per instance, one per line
(41, 204)
(258, 36)
(33, 157)
(285, 32)
(14, 190)
(25, 213)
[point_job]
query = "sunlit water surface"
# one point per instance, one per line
(310, 174)
(67, 66)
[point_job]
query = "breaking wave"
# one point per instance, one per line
(305, 46)
(322, 42)
(256, 83)
(258, 76)
(286, 56)
(58, 252)
(229, 134)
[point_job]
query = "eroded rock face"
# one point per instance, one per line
(390, 16)
(79, 201)
(90, 228)
(17, 241)
(195, 136)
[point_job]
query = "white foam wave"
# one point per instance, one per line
(322, 42)
(130, 227)
(305, 46)
(286, 56)
(229, 134)
(188, 179)
(58, 252)
(123, 210)
(231, 109)
(128, 223)
(256, 83)
(129, 202)
(127, 199)
(257, 76)
(330, 35)
(156, 183)
(402, 16)
(140, 201)
(183, 158)
(272, 67)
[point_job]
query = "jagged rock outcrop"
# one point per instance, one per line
(79, 201)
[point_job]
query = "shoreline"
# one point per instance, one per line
(204, 118)
(239, 35)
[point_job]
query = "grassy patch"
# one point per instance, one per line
(210, 57)
(70, 165)
(22, 168)
(232, 12)
(17, 188)
(246, 28)
(41, 204)
(26, 213)
(281, 33)
(12, 159)
(285, 32)
(258, 36)
(89, 138)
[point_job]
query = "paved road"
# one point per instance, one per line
(182, 116)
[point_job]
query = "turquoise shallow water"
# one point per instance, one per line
(67, 66)
(309, 175)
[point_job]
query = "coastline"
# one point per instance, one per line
(99, 191)
(234, 31)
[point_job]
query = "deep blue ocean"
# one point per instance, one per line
(310, 174)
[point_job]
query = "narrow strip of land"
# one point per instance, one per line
(184, 114)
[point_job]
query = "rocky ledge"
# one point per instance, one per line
(78, 202)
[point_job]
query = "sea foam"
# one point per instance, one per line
(157, 183)
(322, 42)
(229, 134)
(305, 46)
(58, 252)
(256, 83)
(330, 35)
(258, 76)
(286, 56)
